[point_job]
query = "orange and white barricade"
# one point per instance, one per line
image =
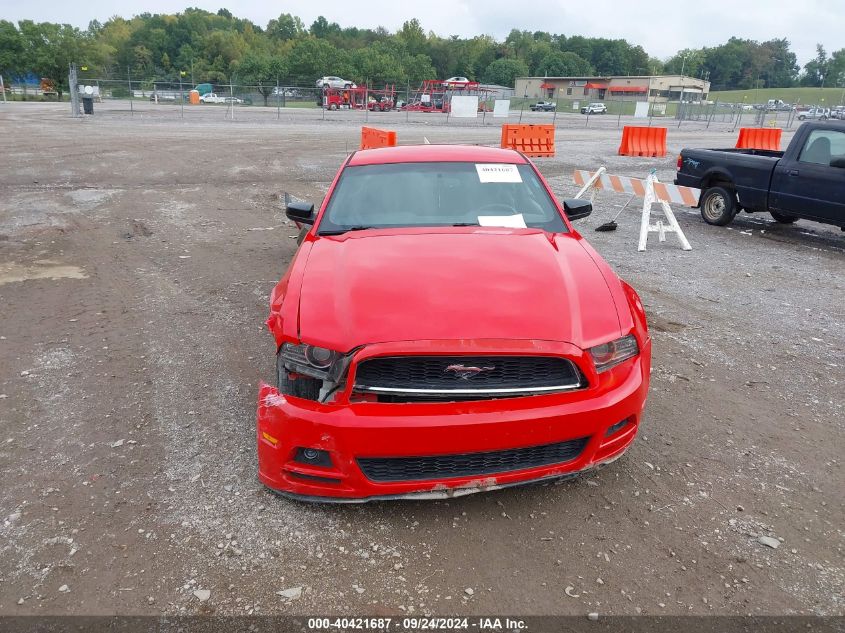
(651, 190)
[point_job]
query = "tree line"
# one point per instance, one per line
(221, 48)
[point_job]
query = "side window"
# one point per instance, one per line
(821, 146)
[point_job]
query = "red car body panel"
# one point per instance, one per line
(349, 431)
(448, 291)
(363, 287)
(436, 154)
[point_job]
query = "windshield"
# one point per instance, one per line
(440, 194)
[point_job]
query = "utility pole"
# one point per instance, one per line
(73, 85)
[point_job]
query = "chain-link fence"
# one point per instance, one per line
(736, 115)
(232, 100)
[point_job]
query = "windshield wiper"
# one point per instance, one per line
(364, 228)
(345, 230)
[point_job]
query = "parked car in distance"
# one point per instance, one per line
(330, 81)
(814, 113)
(212, 98)
(806, 181)
(543, 106)
(287, 92)
(158, 97)
(838, 113)
(594, 108)
(778, 105)
(443, 329)
(456, 80)
(232, 100)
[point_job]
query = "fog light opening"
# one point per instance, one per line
(617, 427)
(313, 457)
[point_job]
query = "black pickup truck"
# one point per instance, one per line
(806, 181)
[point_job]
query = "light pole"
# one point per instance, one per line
(181, 95)
(684, 62)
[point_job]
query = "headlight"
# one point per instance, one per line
(609, 354)
(310, 360)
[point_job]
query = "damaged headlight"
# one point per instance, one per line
(317, 362)
(610, 354)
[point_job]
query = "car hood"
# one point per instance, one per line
(382, 286)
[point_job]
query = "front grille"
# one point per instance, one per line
(386, 469)
(485, 376)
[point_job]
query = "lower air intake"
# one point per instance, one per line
(387, 469)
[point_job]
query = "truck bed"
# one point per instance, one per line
(749, 152)
(749, 170)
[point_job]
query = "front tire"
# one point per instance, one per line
(302, 387)
(718, 206)
(783, 218)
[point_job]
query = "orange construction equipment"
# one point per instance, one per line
(643, 141)
(372, 137)
(531, 140)
(759, 138)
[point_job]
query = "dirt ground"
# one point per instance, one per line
(136, 258)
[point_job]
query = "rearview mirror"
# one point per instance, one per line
(837, 162)
(302, 212)
(576, 209)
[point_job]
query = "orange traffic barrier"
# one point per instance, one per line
(531, 140)
(643, 141)
(372, 137)
(759, 138)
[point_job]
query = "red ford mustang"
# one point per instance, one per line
(442, 330)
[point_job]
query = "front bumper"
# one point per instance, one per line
(351, 431)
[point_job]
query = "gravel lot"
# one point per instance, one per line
(136, 258)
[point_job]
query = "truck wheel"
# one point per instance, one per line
(718, 206)
(303, 387)
(783, 218)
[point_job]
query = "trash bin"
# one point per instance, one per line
(88, 105)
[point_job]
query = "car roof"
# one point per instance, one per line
(436, 153)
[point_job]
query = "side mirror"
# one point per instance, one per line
(837, 162)
(302, 212)
(576, 209)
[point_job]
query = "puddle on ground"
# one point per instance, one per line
(41, 269)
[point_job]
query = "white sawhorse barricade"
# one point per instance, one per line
(650, 190)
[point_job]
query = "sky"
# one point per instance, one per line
(661, 28)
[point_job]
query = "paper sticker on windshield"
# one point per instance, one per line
(506, 221)
(491, 172)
